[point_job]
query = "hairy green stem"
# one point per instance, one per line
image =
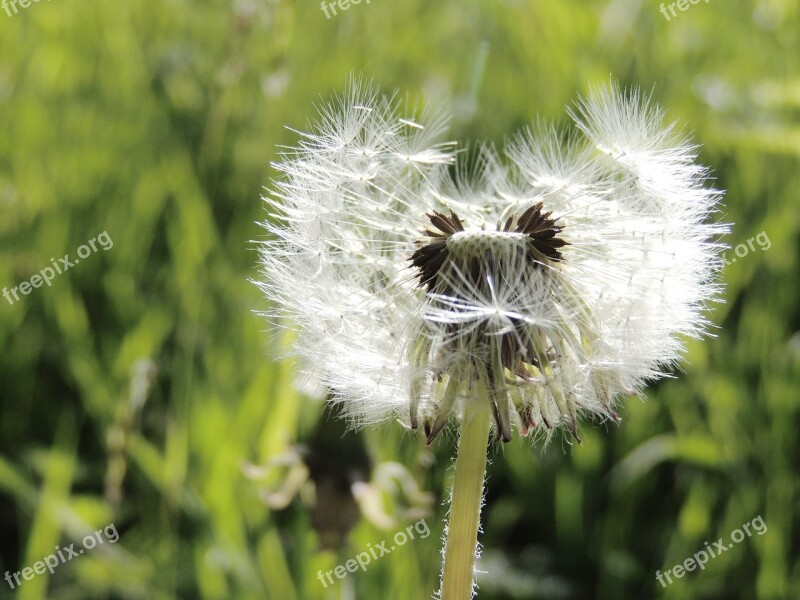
(465, 506)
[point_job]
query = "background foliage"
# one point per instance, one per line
(138, 389)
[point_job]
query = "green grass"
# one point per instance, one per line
(138, 386)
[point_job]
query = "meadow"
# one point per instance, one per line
(141, 391)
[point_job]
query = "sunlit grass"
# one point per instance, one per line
(157, 121)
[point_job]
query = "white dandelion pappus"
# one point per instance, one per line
(546, 285)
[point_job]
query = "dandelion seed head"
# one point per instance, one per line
(546, 284)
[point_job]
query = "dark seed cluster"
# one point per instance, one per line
(543, 242)
(436, 262)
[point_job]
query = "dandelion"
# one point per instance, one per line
(532, 291)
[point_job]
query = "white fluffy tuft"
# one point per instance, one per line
(554, 338)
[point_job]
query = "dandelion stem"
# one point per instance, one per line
(465, 506)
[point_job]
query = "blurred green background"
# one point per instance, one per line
(138, 390)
